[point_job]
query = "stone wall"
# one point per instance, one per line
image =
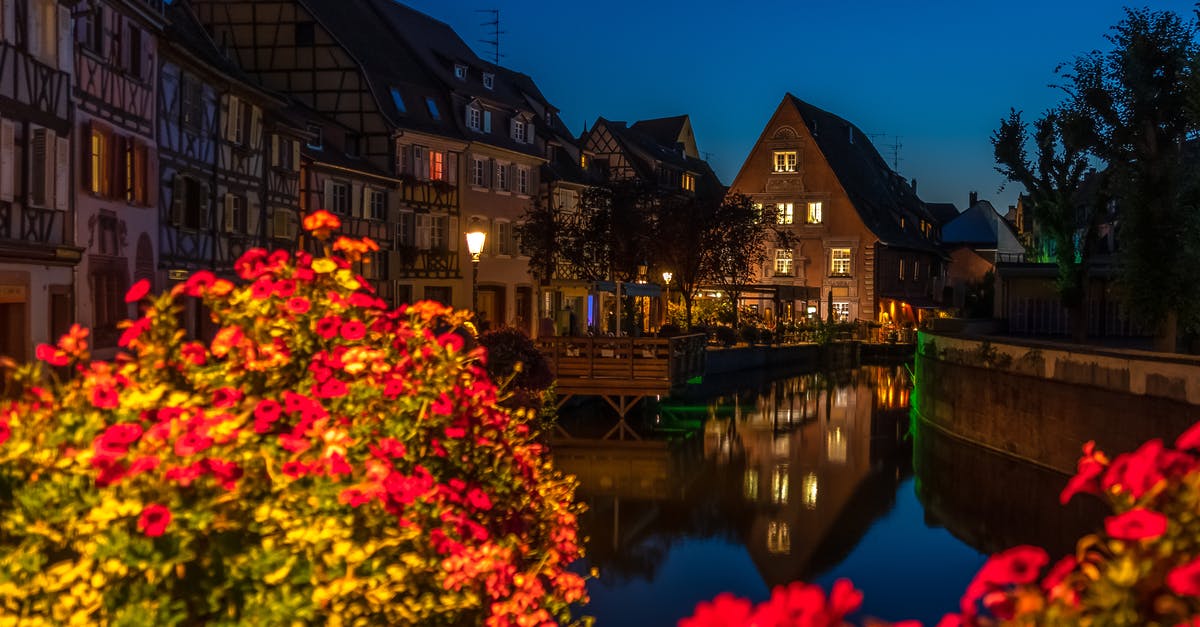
(1040, 401)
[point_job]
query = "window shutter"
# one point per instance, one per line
(66, 60)
(255, 127)
(178, 190)
(206, 200)
(296, 156)
(403, 159)
(152, 182)
(7, 164)
(453, 235)
(512, 127)
(489, 175)
(253, 217)
(356, 201)
(328, 195)
(487, 121)
(278, 223)
(421, 162)
(227, 115)
(423, 230)
(39, 146)
(62, 174)
(529, 132)
(229, 211)
(33, 34)
(274, 150)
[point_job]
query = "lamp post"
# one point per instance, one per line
(475, 238)
(667, 304)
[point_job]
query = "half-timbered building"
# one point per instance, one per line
(116, 212)
(661, 152)
(864, 246)
(38, 249)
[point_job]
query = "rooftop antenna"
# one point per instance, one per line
(892, 149)
(494, 42)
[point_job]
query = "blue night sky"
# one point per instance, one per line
(938, 74)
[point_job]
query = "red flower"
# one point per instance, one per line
(1185, 580)
(1190, 440)
(443, 406)
(1018, 565)
(262, 288)
(194, 353)
(285, 288)
(298, 305)
(723, 611)
(225, 472)
(478, 499)
(5, 431)
(143, 464)
(138, 291)
(250, 264)
(1084, 481)
(1136, 472)
(135, 329)
(104, 396)
(327, 327)
(226, 397)
(843, 599)
(1136, 524)
(951, 620)
(198, 283)
(353, 330)
(321, 220)
(52, 355)
(295, 469)
(452, 341)
(331, 388)
(226, 339)
(1059, 572)
(116, 439)
(191, 443)
(154, 519)
(265, 414)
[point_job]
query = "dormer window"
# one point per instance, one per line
(518, 130)
(398, 100)
(433, 108)
(688, 182)
(489, 80)
(583, 161)
(315, 142)
(460, 71)
(474, 118)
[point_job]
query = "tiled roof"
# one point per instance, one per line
(943, 212)
(185, 33)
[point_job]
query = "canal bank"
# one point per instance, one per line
(1040, 401)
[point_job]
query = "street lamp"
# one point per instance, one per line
(667, 304)
(475, 238)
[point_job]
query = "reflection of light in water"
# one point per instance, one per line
(841, 397)
(835, 445)
(750, 484)
(779, 485)
(809, 488)
(782, 445)
(779, 537)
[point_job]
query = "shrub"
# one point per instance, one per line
(669, 330)
(322, 460)
(726, 335)
(521, 370)
(1142, 569)
(748, 333)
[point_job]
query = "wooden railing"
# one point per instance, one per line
(623, 364)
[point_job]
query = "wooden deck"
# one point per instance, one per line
(622, 370)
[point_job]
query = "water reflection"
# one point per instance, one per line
(791, 474)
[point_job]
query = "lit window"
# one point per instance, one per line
(785, 161)
(901, 269)
(437, 165)
(583, 161)
(841, 312)
(433, 108)
(779, 484)
(839, 261)
(783, 262)
(779, 537)
(98, 159)
(814, 213)
(809, 487)
(489, 80)
(689, 182)
(784, 213)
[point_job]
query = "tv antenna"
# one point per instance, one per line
(494, 42)
(892, 149)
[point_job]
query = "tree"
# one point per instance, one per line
(734, 246)
(1054, 180)
(682, 228)
(1141, 101)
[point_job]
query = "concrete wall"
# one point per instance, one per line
(1041, 401)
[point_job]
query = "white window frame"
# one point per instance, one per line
(502, 182)
(460, 71)
(841, 262)
(785, 213)
(474, 118)
(813, 214)
(785, 161)
(479, 172)
(489, 80)
(339, 194)
(784, 260)
(841, 312)
(523, 180)
(504, 238)
(518, 130)
(376, 204)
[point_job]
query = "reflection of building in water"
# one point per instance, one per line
(805, 449)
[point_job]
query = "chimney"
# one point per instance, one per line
(974, 199)
(914, 185)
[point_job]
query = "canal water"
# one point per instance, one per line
(742, 486)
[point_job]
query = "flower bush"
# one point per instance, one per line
(322, 459)
(1142, 569)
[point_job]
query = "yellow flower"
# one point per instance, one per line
(324, 265)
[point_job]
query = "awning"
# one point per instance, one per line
(630, 289)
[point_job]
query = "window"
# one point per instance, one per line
(460, 71)
(189, 203)
(433, 108)
(901, 269)
(237, 121)
(814, 213)
(841, 312)
(284, 154)
(478, 172)
(502, 177)
(783, 262)
(439, 293)
(474, 117)
(504, 239)
(583, 161)
(405, 236)
(523, 180)
(785, 161)
(305, 34)
(90, 33)
(377, 204)
(191, 109)
(839, 262)
(437, 232)
(916, 270)
(518, 130)
(688, 182)
(784, 213)
(338, 197)
(317, 142)
(398, 100)
(133, 62)
(353, 145)
(235, 214)
(489, 80)
(98, 159)
(437, 165)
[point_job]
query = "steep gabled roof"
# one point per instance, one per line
(644, 151)
(668, 132)
(943, 212)
(880, 195)
(981, 226)
(184, 33)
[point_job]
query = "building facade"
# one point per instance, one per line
(863, 245)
